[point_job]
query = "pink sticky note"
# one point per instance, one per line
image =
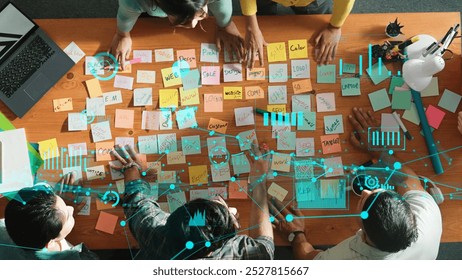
(213, 102)
(210, 75)
(435, 116)
(106, 222)
(124, 118)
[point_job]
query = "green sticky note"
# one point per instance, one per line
(349, 68)
(379, 100)
(432, 89)
(308, 121)
(412, 115)
(326, 74)
(377, 74)
(401, 100)
(449, 101)
(396, 81)
(351, 87)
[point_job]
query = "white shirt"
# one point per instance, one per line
(429, 226)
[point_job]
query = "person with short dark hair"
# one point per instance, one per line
(161, 235)
(405, 224)
(36, 224)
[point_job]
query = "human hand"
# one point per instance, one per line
(326, 44)
(361, 121)
(132, 164)
(259, 164)
(459, 122)
(254, 43)
(121, 47)
(231, 39)
(70, 191)
(280, 213)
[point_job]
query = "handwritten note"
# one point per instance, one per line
(232, 72)
(168, 98)
(333, 167)
(254, 92)
(435, 116)
(198, 175)
(303, 169)
(240, 163)
(300, 68)
(123, 82)
(308, 121)
(215, 146)
(286, 141)
(76, 121)
(150, 120)
(278, 73)
(106, 222)
(349, 68)
(170, 77)
(301, 103)
(112, 97)
(331, 144)
(95, 172)
(163, 55)
(93, 88)
(176, 158)
(276, 52)
(256, 74)
(103, 150)
(379, 100)
(213, 103)
(278, 108)
(275, 129)
(277, 192)
(298, 49)
(74, 52)
(167, 143)
(333, 124)
(145, 77)
(304, 147)
(93, 66)
(220, 172)
(191, 145)
(232, 93)
(209, 53)
(142, 97)
(351, 87)
(96, 107)
(62, 104)
(147, 144)
(246, 138)
(165, 119)
(77, 149)
(218, 191)
(217, 125)
(302, 86)
(145, 56)
(238, 189)
(196, 194)
(125, 141)
(186, 118)
(210, 75)
(326, 74)
(325, 102)
(101, 131)
(48, 148)
(244, 116)
(124, 118)
(167, 177)
(191, 79)
(277, 94)
(175, 200)
(187, 57)
(281, 162)
(189, 97)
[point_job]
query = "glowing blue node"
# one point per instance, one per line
(212, 132)
(172, 186)
(275, 174)
(208, 244)
(123, 223)
(256, 158)
(189, 245)
(390, 152)
(364, 215)
(167, 151)
(271, 219)
(143, 173)
(233, 179)
(272, 152)
(387, 168)
(289, 218)
(87, 193)
(313, 180)
(238, 137)
(397, 165)
(330, 170)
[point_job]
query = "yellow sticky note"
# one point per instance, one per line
(280, 108)
(277, 192)
(302, 86)
(128, 69)
(254, 92)
(281, 162)
(198, 175)
(170, 77)
(189, 97)
(62, 104)
(94, 88)
(176, 158)
(168, 98)
(48, 148)
(217, 125)
(276, 52)
(298, 49)
(231, 93)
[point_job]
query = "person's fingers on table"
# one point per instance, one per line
(260, 53)
(277, 214)
(278, 205)
(354, 139)
(374, 121)
(125, 154)
(360, 118)
(356, 125)
(131, 151)
(117, 155)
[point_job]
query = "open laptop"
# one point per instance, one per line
(30, 62)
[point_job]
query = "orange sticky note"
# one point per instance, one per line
(124, 118)
(187, 56)
(276, 52)
(254, 92)
(217, 125)
(94, 88)
(280, 108)
(62, 104)
(168, 98)
(330, 144)
(198, 175)
(213, 103)
(231, 93)
(298, 49)
(302, 86)
(106, 222)
(256, 74)
(100, 205)
(103, 150)
(238, 189)
(176, 158)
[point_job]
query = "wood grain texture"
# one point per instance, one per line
(95, 35)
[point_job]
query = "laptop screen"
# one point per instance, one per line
(14, 27)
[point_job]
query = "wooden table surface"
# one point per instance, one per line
(94, 36)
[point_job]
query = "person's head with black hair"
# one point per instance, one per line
(184, 13)
(37, 218)
(182, 231)
(387, 220)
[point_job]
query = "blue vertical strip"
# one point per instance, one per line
(67, 160)
(265, 119)
(340, 67)
(399, 73)
(370, 58)
(62, 152)
(399, 137)
(273, 118)
(393, 138)
(380, 66)
(361, 65)
(52, 159)
(287, 119)
(383, 138)
(389, 73)
(300, 118)
(80, 157)
(293, 118)
(373, 138)
(388, 138)
(280, 116)
(85, 164)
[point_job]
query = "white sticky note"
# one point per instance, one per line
(277, 94)
(232, 72)
(389, 123)
(165, 120)
(277, 191)
(76, 121)
(125, 141)
(101, 131)
(96, 172)
(220, 172)
(77, 149)
(150, 120)
(244, 116)
(163, 55)
(142, 97)
(74, 52)
(278, 73)
(333, 167)
(77, 172)
(209, 53)
(144, 55)
(123, 82)
(96, 107)
(112, 97)
(301, 103)
(92, 66)
(146, 77)
(325, 102)
(147, 144)
(304, 147)
(300, 68)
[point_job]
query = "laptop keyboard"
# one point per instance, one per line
(24, 65)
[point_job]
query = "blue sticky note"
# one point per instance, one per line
(286, 140)
(308, 121)
(303, 169)
(326, 74)
(449, 101)
(333, 124)
(396, 81)
(349, 68)
(191, 145)
(379, 99)
(401, 100)
(186, 118)
(240, 163)
(351, 87)
(191, 79)
(246, 138)
(378, 73)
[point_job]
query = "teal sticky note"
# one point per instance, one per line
(326, 74)
(333, 124)
(396, 81)
(349, 68)
(412, 115)
(246, 138)
(401, 100)
(240, 163)
(449, 101)
(191, 145)
(351, 87)
(286, 140)
(308, 121)
(379, 100)
(378, 74)
(303, 169)
(191, 79)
